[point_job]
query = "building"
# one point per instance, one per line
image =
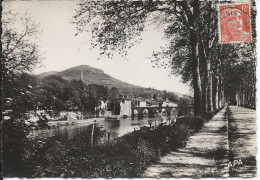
(125, 107)
(168, 103)
(138, 102)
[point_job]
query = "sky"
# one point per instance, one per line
(61, 49)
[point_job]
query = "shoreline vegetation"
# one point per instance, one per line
(86, 157)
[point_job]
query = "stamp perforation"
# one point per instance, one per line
(235, 3)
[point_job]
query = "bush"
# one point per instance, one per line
(222, 129)
(218, 154)
(194, 123)
(13, 140)
(209, 115)
(126, 156)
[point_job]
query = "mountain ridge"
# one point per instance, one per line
(93, 75)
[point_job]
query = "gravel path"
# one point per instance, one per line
(224, 147)
(242, 135)
(206, 154)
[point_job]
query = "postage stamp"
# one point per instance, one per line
(234, 23)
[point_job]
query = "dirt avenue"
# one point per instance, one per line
(224, 139)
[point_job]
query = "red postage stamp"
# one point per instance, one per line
(234, 23)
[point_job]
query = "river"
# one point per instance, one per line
(117, 129)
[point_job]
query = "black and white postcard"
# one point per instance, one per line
(128, 88)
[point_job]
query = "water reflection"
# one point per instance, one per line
(116, 129)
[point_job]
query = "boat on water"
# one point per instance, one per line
(109, 118)
(135, 124)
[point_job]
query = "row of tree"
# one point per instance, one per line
(54, 92)
(218, 73)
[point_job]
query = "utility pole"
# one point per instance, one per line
(108, 136)
(92, 134)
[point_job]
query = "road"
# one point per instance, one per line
(217, 150)
(242, 144)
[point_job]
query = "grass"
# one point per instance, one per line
(250, 170)
(218, 153)
(248, 167)
(222, 129)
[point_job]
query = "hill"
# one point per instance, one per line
(97, 76)
(44, 74)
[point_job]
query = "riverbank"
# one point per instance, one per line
(72, 122)
(115, 128)
(126, 156)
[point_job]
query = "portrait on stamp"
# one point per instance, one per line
(234, 22)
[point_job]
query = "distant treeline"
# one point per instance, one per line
(54, 92)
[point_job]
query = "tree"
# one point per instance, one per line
(116, 26)
(19, 56)
(80, 95)
(190, 28)
(20, 52)
(155, 96)
(52, 92)
(113, 96)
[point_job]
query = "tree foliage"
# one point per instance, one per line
(19, 49)
(127, 23)
(192, 51)
(19, 55)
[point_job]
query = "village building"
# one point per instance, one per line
(125, 105)
(168, 103)
(125, 108)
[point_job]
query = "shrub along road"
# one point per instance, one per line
(126, 156)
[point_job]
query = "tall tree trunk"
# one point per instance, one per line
(223, 100)
(219, 92)
(196, 74)
(192, 19)
(217, 88)
(237, 98)
(243, 98)
(224, 97)
(254, 92)
(209, 91)
(214, 93)
(217, 95)
(204, 98)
